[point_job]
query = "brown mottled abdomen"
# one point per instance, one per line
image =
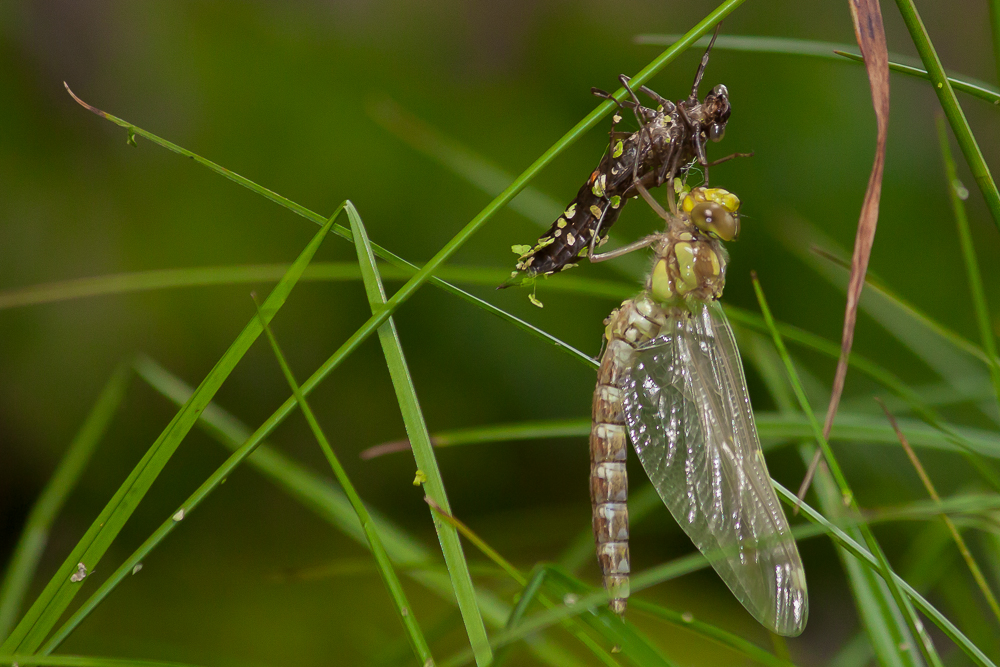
(634, 322)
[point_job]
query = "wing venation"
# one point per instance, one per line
(689, 417)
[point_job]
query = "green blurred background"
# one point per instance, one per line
(279, 92)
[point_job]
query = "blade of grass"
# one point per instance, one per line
(423, 452)
(697, 561)
(771, 426)
(63, 587)
(388, 574)
(527, 590)
(857, 550)
(878, 613)
(421, 274)
(319, 496)
(35, 535)
(924, 340)
(971, 263)
(721, 637)
(952, 109)
(913, 623)
(529, 593)
(967, 85)
(142, 281)
(963, 549)
(871, 596)
(839, 52)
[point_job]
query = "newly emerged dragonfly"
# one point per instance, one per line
(671, 140)
(672, 379)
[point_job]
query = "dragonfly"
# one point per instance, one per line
(670, 141)
(671, 378)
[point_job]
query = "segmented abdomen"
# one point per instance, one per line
(635, 322)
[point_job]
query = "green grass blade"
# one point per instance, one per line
(423, 452)
(932, 342)
(845, 540)
(318, 495)
(424, 274)
(771, 426)
(527, 587)
(634, 646)
(326, 271)
(952, 110)
(387, 572)
(827, 51)
(719, 636)
(57, 595)
(971, 263)
(941, 348)
(968, 85)
(914, 625)
(28, 550)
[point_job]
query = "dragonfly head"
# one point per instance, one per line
(714, 211)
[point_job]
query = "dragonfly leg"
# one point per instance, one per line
(624, 250)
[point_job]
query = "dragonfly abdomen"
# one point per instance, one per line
(636, 321)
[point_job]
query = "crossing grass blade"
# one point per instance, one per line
(871, 597)
(925, 479)
(839, 52)
(904, 605)
(423, 452)
(772, 426)
(952, 110)
(860, 552)
(316, 494)
(241, 274)
(34, 536)
(403, 609)
(530, 587)
(982, 309)
(64, 585)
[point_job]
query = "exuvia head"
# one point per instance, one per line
(717, 110)
(713, 211)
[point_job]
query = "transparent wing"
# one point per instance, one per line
(689, 417)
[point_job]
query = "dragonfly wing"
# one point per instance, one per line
(689, 417)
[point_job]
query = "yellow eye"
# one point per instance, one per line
(714, 219)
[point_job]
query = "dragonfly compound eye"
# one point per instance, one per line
(720, 91)
(715, 219)
(716, 132)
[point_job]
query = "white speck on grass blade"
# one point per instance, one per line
(179, 514)
(80, 574)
